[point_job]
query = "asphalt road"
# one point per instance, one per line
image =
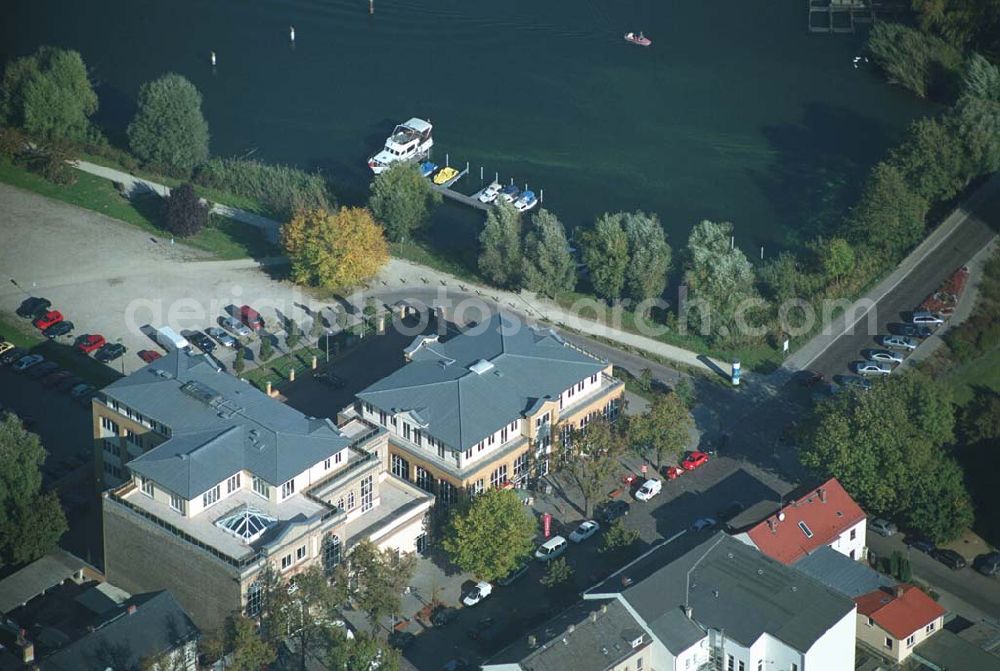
(955, 251)
(965, 585)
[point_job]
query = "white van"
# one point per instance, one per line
(171, 339)
(551, 548)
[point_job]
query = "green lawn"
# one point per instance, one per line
(224, 238)
(277, 369)
(23, 334)
(983, 372)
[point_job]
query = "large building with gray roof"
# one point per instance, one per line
(710, 601)
(479, 409)
(212, 481)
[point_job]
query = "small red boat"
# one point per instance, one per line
(639, 39)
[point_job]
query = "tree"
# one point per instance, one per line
(618, 537)
(338, 250)
(500, 247)
(964, 23)
(169, 129)
(375, 579)
(490, 535)
(549, 268)
(49, 95)
(605, 253)
(890, 215)
(885, 447)
(266, 349)
(370, 313)
(977, 115)
(316, 327)
(719, 276)
(836, 258)
(981, 418)
(402, 199)
(649, 256)
(558, 572)
(664, 430)
(981, 79)
(589, 458)
(361, 652)
(186, 215)
(932, 160)
(240, 362)
(920, 62)
(292, 333)
(31, 521)
(249, 651)
(310, 608)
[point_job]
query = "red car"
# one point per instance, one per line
(251, 317)
(694, 460)
(149, 356)
(48, 319)
(90, 343)
(672, 472)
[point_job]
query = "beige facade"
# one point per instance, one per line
(887, 645)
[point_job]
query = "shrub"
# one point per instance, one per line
(12, 143)
(923, 63)
(279, 190)
(266, 349)
(186, 215)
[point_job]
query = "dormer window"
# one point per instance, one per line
(288, 489)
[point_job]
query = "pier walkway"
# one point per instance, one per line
(449, 193)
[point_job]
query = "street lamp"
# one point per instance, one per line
(119, 341)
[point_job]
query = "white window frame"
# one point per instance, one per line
(178, 503)
(146, 485)
(261, 487)
(287, 489)
(233, 483)
(211, 497)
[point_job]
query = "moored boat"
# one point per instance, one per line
(639, 39)
(490, 193)
(409, 141)
(427, 168)
(509, 193)
(525, 201)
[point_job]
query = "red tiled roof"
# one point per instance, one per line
(827, 511)
(899, 615)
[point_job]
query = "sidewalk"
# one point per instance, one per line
(399, 274)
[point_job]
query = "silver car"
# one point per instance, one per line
(882, 527)
(221, 336)
(236, 327)
(884, 355)
(871, 368)
(899, 342)
(923, 317)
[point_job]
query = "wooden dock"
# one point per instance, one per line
(842, 16)
(449, 193)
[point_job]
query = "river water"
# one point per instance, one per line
(734, 113)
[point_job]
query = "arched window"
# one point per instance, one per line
(331, 553)
(255, 598)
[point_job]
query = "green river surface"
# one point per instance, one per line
(735, 113)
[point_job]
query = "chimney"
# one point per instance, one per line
(131, 609)
(822, 494)
(772, 524)
(689, 612)
(532, 641)
(570, 629)
(604, 608)
(593, 616)
(27, 648)
(898, 591)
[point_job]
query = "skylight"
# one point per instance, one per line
(481, 366)
(806, 530)
(245, 522)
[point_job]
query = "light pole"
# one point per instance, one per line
(122, 357)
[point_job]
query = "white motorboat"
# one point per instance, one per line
(525, 201)
(490, 193)
(409, 141)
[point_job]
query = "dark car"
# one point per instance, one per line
(910, 330)
(987, 564)
(457, 664)
(201, 341)
(53, 379)
(66, 385)
(612, 510)
(329, 379)
(443, 616)
(56, 330)
(921, 544)
(30, 307)
(949, 558)
(730, 511)
(42, 369)
(110, 352)
(401, 639)
(13, 355)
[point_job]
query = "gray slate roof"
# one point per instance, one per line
(841, 573)
(157, 626)
(946, 650)
(591, 646)
(733, 587)
(219, 425)
(37, 577)
(462, 407)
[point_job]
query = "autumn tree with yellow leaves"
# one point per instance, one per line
(334, 250)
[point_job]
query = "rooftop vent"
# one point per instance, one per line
(636, 642)
(481, 367)
(604, 650)
(201, 392)
(532, 641)
(822, 494)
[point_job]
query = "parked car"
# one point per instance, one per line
(6, 347)
(457, 664)
(202, 342)
(221, 336)
(42, 369)
(47, 319)
(730, 511)
(66, 384)
(911, 330)
(924, 317)
(884, 355)
(899, 342)
(949, 558)
(90, 342)
(882, 527)
(988, 564)
(13, 355)
(251, 318)
(551, 548)
(479, 593)
(235, 326)
(81, 390)
(169, 339)
(609, 511)
(149, 355)
(329, 379)
(871, 368)
(704, 523)
(30, 307)
(53, 379)
(26, 362)
(921, 544)
(649, 489)
(694, 460)
(443, 616)
(809, 378)
(672, 472)
(58, 329)
(584, 531)
(109, 352)
(509, 579)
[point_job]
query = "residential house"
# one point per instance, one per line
(841, 573)
(894, 621)
(219, 482)
(710, 601)
(481, 408)
(824, 515)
